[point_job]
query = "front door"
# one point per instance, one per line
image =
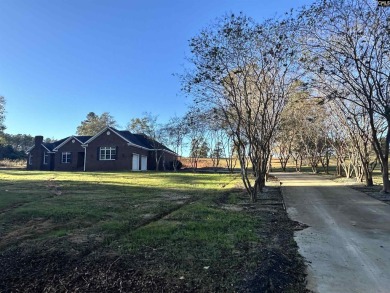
(135, 162)
(80, 160)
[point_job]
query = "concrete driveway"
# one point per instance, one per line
(347, 245)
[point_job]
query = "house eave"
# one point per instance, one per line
(66, 141)
(30, 149)
(129, 143)
(164, 150)
(97, 135)
(138, 146)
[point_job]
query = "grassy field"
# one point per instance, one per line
(62, 231)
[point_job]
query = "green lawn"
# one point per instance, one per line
(187, 228)
(112, 205)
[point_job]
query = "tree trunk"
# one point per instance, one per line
(358, 174)
(367, 175)
(283, 163)
(300, 164)
(253, 194)
(284, 166)
(385, 177)
(327, 163)
(369, 182)
(338, 166)
(261, 183)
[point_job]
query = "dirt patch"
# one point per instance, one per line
(53, 187)
(232, 207)
(79, 238)
(175, 197)
(148, 216)
(33, 227)
(153, 218)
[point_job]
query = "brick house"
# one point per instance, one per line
(108, 150)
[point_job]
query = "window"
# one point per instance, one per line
(107, 153)
(45, 158)
(66, 157)
(30, 157)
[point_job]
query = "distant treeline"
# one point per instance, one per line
(15, 146)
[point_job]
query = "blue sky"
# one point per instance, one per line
(60, 60)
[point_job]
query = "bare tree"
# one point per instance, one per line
(303, 131)
(313, 139)
(196, 123)
(356, 127)
(215, 136)
(216, 148)
(152, 130)
(347, 45)
(283, 150)
(2, 114)
(287, 139)
(243, 70)
(176, 130)
(229, 152)
(339, 133)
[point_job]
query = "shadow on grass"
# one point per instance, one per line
(146, 231)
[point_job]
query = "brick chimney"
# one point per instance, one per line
(38, 140)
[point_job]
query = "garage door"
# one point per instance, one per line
(135, 162)
(144, 163)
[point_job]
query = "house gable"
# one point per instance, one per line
(108, 150)
(69, 155)
(65, 141)
(126, 135)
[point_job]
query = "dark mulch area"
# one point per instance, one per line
(282, 268)
(373, 191)
(58, 267)
(39, 270)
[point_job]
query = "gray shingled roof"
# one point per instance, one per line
(130, 137)
(150, 143)
(139, 139)
(142, 140)
(83, 138)
(52, 145)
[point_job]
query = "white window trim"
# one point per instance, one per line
(107, 157)
(67, 157)
(45, 158)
